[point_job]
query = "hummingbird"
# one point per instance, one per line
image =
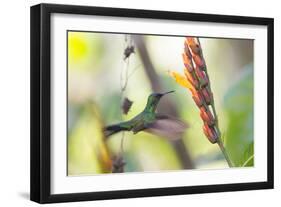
(151, 121)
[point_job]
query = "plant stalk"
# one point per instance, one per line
(222, 148)
(219, 142)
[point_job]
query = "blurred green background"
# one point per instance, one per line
(96, 72)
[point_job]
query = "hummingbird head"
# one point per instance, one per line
(154, 99)
(159, 95)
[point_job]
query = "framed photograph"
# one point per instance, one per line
(132, 103)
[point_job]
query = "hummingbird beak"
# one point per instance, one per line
(167, 92)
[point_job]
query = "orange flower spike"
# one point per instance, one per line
(207, 116)
(187, 63)
(201, 76)
(194, 46)
(206, 130)
(211, 119)
(199, 61)
(210, 133)
(189, 76)
(190, 41)
(197, 97)
(186, 50)
(208, 95)
(203, 114)
(196, 52)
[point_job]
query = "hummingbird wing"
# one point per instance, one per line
(167, 126)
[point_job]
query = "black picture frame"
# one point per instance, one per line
(41, 102)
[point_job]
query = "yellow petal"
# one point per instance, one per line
(180, 79)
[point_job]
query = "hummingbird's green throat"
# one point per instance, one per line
(150, 121)
(153, 101)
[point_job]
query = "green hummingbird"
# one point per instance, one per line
(150, 121)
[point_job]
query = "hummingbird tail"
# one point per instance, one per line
(113, 129)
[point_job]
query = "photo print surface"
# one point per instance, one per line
(150, 103)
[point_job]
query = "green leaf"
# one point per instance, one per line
(238, 103)
(249, 153)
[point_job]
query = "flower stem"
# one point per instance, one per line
(219, 141)
(224, 153)
(197, 59)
